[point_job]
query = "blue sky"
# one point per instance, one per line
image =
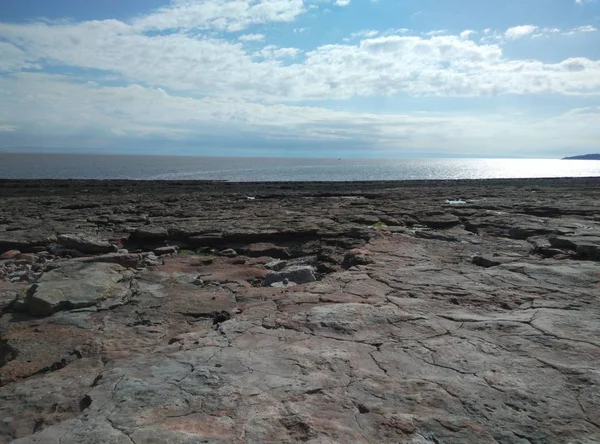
(301, 78)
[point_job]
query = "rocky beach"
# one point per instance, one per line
(422, 312)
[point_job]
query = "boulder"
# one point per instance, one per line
(86, 244)
(78, 285)
(299, 274)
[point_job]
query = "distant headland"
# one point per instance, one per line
(583, 157)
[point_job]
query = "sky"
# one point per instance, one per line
(314, 78)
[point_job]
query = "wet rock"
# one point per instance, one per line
(299, 274)
(85, 244)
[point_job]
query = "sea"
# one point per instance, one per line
(255, 169)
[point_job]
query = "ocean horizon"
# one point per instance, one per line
(278, 169)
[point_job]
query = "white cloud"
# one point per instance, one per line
(518, 32)
(586, 28)
(546, 32)
(251, 37)
(51, 107)
(188, 79)
(437, 66)
(228, 15)
(342, 2)
(275, 52)
(14, 59)
(365, 33)
(466, 34)
(436, 32)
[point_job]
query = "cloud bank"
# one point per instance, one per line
(196, 67)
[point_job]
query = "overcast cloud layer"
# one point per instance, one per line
(245, 72)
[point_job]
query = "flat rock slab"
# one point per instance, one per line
(78, 285)
(86, 244)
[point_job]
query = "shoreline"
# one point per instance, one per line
(68, 185)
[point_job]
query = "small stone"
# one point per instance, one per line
(150, 259)
(221, 316)
(300, 274)
(229, 252)
(283, 285)
(276, 265)
(171, 249)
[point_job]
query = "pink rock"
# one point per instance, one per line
(10, 254)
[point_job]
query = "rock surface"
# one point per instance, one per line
(77, 285)
(298, 274)
(446, 326)
(85, 244)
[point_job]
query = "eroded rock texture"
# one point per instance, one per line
(428, 321)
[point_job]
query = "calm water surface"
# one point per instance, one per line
(73, 166)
